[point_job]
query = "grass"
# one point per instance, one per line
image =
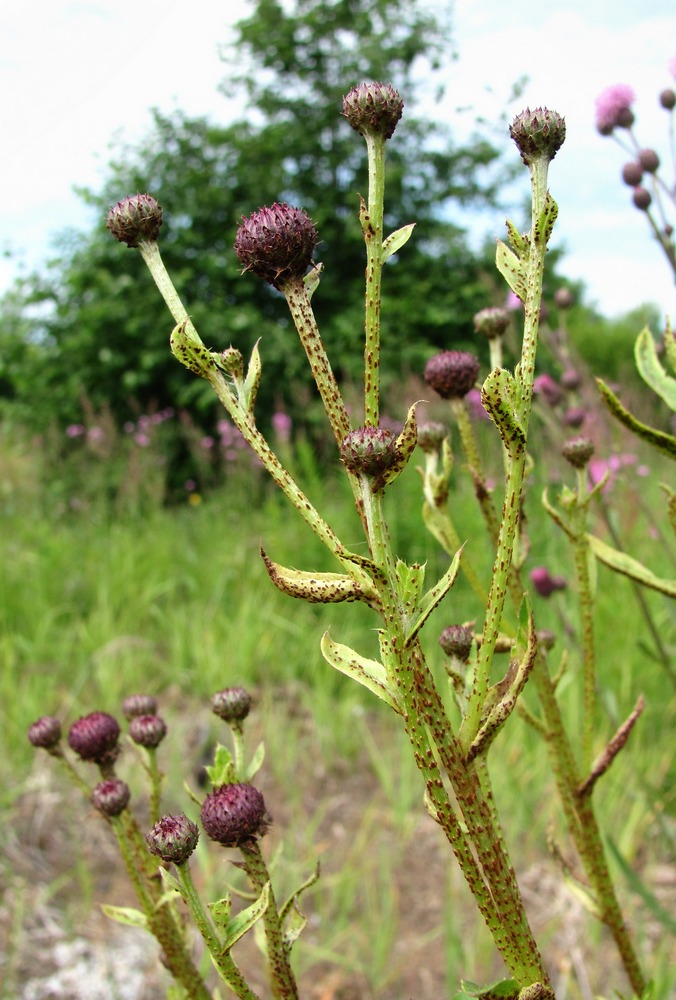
(177, 603)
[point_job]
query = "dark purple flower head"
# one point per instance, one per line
(649, 160)
(135, 219)
(95, 738)
(544, 385)
(492, 322)
(173, 838)
(574, 416)
(632, 173)
(373, 108)
(563, 298)
(234, 814)
(452, 373)
(456, 641)
(538, 134)
(613, 108)
(545, 584)
(45, 732)
(276, 243)
(111, 797)
(369, 451)
(139, 704)
(231, 704)
(642, 198)
(668, 99)
(571, 379)
(147, 730)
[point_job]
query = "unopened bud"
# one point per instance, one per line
(45, 732)
(538, 134)
(373, 108)
(95, 737)
(231, 704)
(632, 174)
(234, 814)
(456, 641)
(564, 298)
(276, 243)
(642, 199)
(431, 436)
(111, 797)
(173, 838)
(544, 583)
(668, 99)
(452, 373)
(578, 451)
(369, 451)
(135, 219)
(492, 322)
(147, 730)
(649, 160)
(139, 704)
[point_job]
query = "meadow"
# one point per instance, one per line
(120, 592)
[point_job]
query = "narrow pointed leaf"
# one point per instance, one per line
(315, 588)
(659, 439)
(404, 447)
(312, 279)
(255, 763)
(252, 380)
(396, 240)
(499, 394)
(220, 913)
(518, 241)
(434, 597)
(627, 566)
(245, 920)
(651, 370)
(125, 915)
(222, 771)
(511, 269)
(296, 923)
(187, 347)
(309, 881)
(370, 673)
(170, 880)
(410, 582)
(670, 346)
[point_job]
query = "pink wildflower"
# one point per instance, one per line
(671, 66)
(546, 386)
(281, 423)
(74, 430)
(613, 107)
(513, 301)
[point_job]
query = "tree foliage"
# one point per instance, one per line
(97, 320)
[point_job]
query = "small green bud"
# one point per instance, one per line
(369, 451)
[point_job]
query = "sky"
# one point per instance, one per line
(78, 75)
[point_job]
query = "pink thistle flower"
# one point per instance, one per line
(281, 423)
(671, 66)
(546, 386)
(74, 430)
(142, 440)
(207, 442)
(513, 302)
(613, 108)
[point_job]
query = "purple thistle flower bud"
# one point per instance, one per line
(545, 584)
(649, 160)
(668, 99)
(139, 704)
(373, 108)
(135, 219)
(45, 732)
(111, 797)
(431, 436)
(546, 638)
(95, 737)
(234, 814)
(147, 730)
(456, 641)
(564, 298)
(452, 373)
(538, 134)
(276, 243)
(492, 322)
(369, 451)
(574, 416)
(571, 379)
(231, 704)
(632, 174)
(642, 199)
(545, 385)
(173, 838)
(613, 108)
(578, 451)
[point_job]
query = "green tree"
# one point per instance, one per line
(96, 314)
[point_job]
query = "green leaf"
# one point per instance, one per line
(404, 447)
(295, 925)
(652, 902)
(222, 771)
(499, 394)
(255, 763)
(627, 566)
(313, 587)
(511, 269)
(170, 880)
(499, 990)
(252, 380)
(519, 242)
(125, 915)
(245, 919)
(396, 240)
(370, 673)
(545, 224)
(658, 439)
(187, 347)
(410, 582)
(670, 346)
(309, 881)
(220, 913)
(312, 279)
(434, 597)
(651, 370)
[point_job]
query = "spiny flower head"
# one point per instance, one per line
(577, 451)
(373, 108)
(173, 838)
(492, 321)
(139, 704)
(45, 732)
(234, 814)
(94, 737)
(369, 451)
(456, 641)
(231, 704)
(147, 730)
(613, 108)
(276, 243)
(111, 797)
(135, 219)
(538, 134)
(452, 373)
(431, 436)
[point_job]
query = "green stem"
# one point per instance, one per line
(282, 979)
(371, 218)
(223, 960)
(586, 600)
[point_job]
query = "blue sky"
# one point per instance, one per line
(91, 71)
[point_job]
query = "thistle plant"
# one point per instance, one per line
(652, 192)
(277, 244)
